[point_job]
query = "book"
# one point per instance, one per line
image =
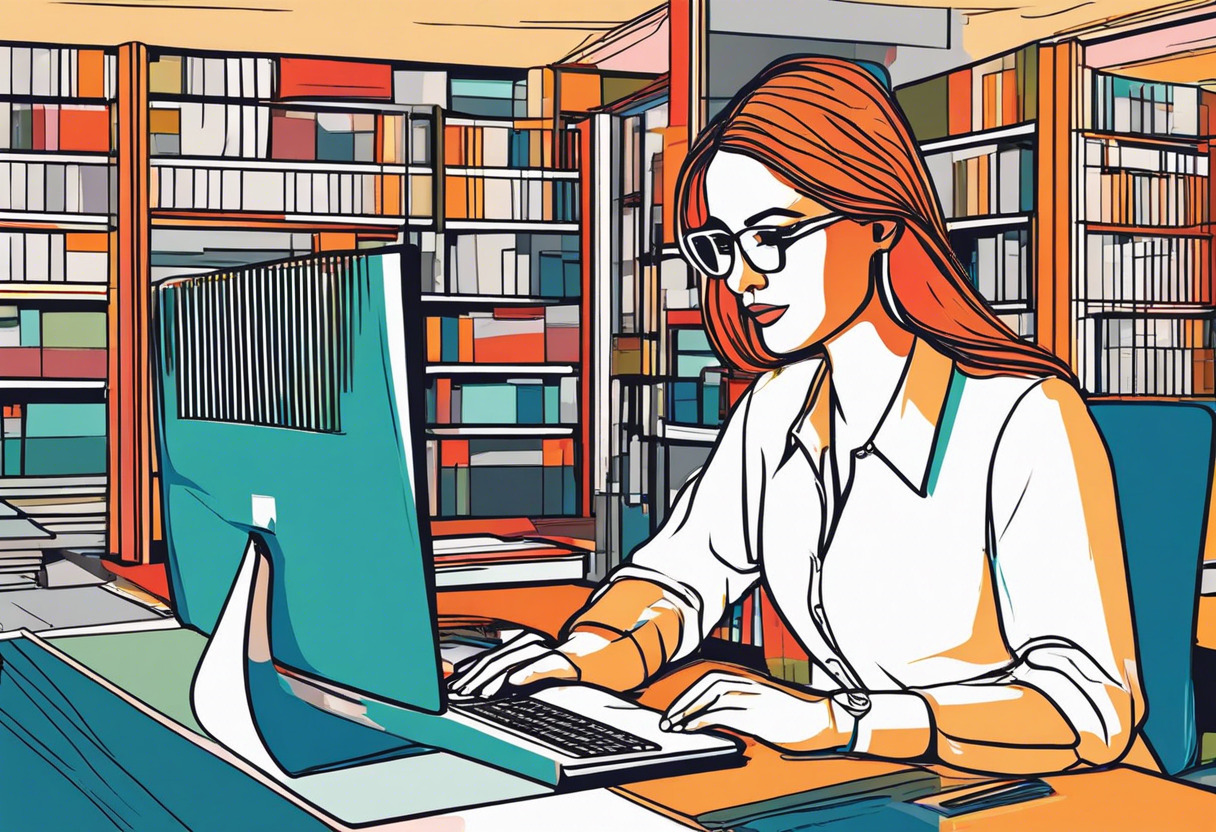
(479, 560)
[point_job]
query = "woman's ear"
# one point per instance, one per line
(886, 232)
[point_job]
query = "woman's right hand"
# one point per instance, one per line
(525, 660)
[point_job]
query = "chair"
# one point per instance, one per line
(1162, 455)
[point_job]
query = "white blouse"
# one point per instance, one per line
(973, 556)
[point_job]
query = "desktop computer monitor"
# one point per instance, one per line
(290, 413)
(291, 434)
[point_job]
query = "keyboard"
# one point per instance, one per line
(572, 734)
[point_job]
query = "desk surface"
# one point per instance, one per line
(1114, 799)
(1120, 798)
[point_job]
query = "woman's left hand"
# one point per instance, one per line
(791, 720)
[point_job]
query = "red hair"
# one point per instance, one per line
(832, 132)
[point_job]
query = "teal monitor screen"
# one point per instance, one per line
(290, 410)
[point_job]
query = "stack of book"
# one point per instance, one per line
(514, 265)
(44, 439)
(506, 335)
(1130, 105)
(511, 199)
(1146, 186)
(482, 145)
(21, 544)
(996, 93)
(502, 477)
(54, 257)
(511, 402)
(82, 128)
(487, 560)
(45, 344)
(984, 181)
(57, 188)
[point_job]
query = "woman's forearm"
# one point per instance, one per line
(624, 636)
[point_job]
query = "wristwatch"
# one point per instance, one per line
(856, 704)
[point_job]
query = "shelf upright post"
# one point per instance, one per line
(130, 492)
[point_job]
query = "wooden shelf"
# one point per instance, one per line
(499, 430)
(502, 369)
(1153, 139)
(990, 221)
(29, 290)
(493, 300)
(981, 137)
(1146, 230)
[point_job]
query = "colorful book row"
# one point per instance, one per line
(501, 477)
(236, 77)
(80, 128)
(1124, 269)
(996, 93)
(1136, 198)
(984, 182)
(997, 263)
(505, 336)
(56, 188)
(520, 265)
(509, 147)
(511, 200)
(54, 257)
(514, 402)
(1155, 356)
(1130, 105)
(57, 72)
(277, 191)
(22, 326)
(53, 439)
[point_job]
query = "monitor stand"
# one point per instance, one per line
(279, 724)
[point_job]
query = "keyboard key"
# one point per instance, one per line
(570, 733)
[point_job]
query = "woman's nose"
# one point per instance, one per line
(744, 277)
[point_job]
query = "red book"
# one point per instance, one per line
(313, 77)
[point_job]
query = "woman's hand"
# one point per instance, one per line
(790, 720)
(523, 661)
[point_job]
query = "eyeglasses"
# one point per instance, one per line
(712, 250)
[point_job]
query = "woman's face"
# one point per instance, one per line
(822, 280)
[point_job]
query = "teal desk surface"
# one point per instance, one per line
(132, 771)
(96, 732)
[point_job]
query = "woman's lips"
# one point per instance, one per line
(764, 314)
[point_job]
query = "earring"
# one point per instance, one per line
(884, 286)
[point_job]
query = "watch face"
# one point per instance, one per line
(855, 702)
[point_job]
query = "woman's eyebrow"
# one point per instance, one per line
(773, 212)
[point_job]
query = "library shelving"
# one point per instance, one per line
(977, 132)
(1081, 206)
(58, 168)
(127, 165)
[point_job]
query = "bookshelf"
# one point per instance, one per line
(1103, 250)
(1143, 294)
(130, 165)
(58, 167)
(977, 132)
(504, 316)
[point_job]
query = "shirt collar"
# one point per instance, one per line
(908, 430)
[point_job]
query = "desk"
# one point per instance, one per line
(172, 775)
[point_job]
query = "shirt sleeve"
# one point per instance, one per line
(1072, 694)
(697, 563)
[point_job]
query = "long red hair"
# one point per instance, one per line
(832, 132)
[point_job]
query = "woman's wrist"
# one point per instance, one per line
(614, 663)
(842, 725)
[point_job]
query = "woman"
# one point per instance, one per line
(924, 496)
